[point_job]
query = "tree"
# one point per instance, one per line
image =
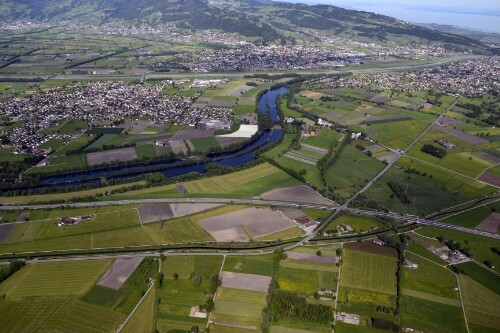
(176, 276)
(209, 306)
(318, 253)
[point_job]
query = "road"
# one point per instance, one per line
(258, 202)
(240, 74)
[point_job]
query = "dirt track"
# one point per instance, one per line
(491, 224)
(259, 221)
(108, 156)
(301, 193)
(5, 230)
(312, 258)
(490, 178)
(245, 281)
(119, 272)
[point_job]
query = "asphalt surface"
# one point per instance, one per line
(257, 202)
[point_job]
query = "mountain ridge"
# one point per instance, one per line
(266, 20)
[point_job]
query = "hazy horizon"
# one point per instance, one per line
(483, 16)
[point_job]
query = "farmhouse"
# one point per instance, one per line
(196, 313)
(378, 241)
(68, 221)
(344, 228)
(356, 136)
(444, 143)
(163, 143)
(72, 220)
(409, 264)
(348, 318)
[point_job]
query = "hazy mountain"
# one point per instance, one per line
(261, 18)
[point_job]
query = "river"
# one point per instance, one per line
(171, 167)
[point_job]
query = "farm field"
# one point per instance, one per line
(481, 275)
(49, 294)
(442, 189)
(352, 170)
(481, 305)
(118, 231)
(461, 159)
(429, 278)
(54, 279)
(177, 297)
(368, 271)
(323, 139)
(245, 224)
(142, 320)
(469, 219)
(181, 292)
(311, 176)
(479, 246)
(365, 303)
(421, 314)
(240, 184)
(357, 223)
(260, 265)
(38, 198)
(240, 307)
(304, 282)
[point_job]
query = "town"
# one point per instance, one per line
(97, 104)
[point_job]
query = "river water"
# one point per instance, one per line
(171, 168)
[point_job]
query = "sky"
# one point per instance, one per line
(481, 15)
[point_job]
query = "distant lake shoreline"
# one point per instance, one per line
(479, 22)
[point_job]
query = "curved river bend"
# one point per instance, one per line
(171, 168)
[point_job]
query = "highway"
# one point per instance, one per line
(258, 202)
(180, 75)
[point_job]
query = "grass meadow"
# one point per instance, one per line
(369, 271)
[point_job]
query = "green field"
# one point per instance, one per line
(145, 151)
(434, 189)
(178, 296)
(241, 184)
(54, 279)
(471, 218)
(364, 303)
(56, 314)
(461, 159)
(430, 278)
(479, 246)
(323, 139)
(352, 170)
(204, 144)
(244, 109)
(184, 266)
(44, 297)
(119, 228)
(369, 271)
(481, 275)
(304, 282)
(72, 126)
(142, 320)
(260, 265)
(239, 306)
(358, 223)
(176, 299)
(428, 316)
(481, 304)
(399, 135)
(311, 176)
